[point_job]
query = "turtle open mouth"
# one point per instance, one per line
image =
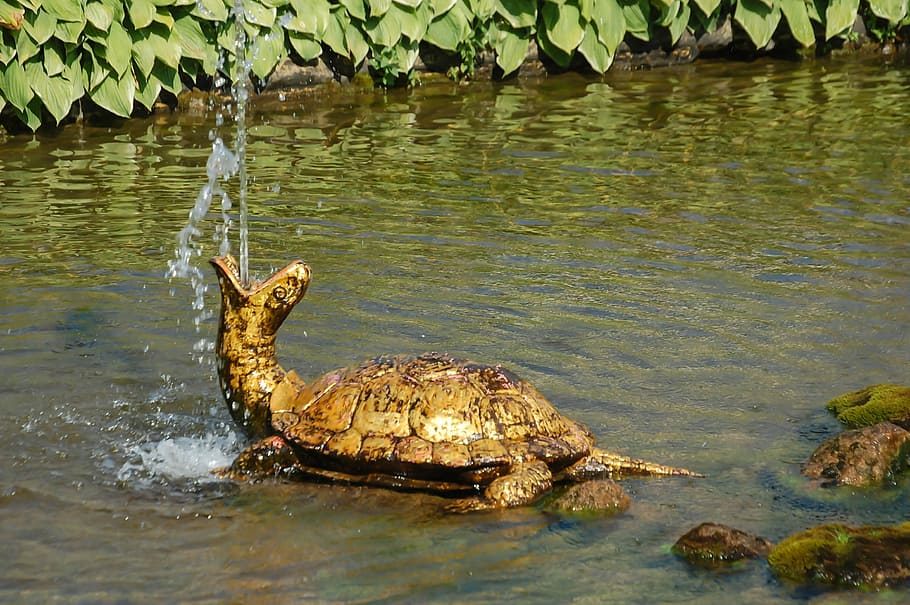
(228, 267)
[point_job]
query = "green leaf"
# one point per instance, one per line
(69, 31)
(168, 76)
(26, 47)
(563, 24)
(64, 10)
(264, 16)
(334, 32)
(757, 20)
(481, 9)
(116, 8)
(596, 53)
(892, 10)
(383, 31)
(812, 7)
(115, 94)
(312, 17)
(356, 43)
(413, 23)
(636, 15)
(143, 53)
(378, 7)
(7, 49)
(667, 13)
(355, 8)
(707, 7)
(31, 114)
(189, 35)
(409, 3)
(211, 10)
(14, 84)
(407, 56)
(511, 48)
(74, 75)
(53, 91)
(518, 13)
(40, 26)
(99, 15)
(93, 72)
(266, 51)
(119, 48)
(679, 22)
(798, 20)
(54, 57)
(610, 24)
(147, 91)
(840, 16)
(559, 56)
(305, 45)
(166, 50)
(142, 12)
(448, 30)
(165, 18)
(586, 7)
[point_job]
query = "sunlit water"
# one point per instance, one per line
(690, 261)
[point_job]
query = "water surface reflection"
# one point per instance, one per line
(691, 261)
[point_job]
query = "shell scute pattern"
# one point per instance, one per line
(429, 410)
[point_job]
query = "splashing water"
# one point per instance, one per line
(241, 91)
(179, 459)
(222, 165)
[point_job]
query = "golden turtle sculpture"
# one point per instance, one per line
(432, 422)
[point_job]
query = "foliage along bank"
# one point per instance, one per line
(123, 54)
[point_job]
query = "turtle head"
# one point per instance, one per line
(250, 318)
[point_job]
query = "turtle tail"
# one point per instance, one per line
(601, 463)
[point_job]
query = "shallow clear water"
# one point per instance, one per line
(691, 261)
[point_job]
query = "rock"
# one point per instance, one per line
(600, 495)
(862, 557)
(874, 404)
(711, 544)
(717, 41)
(289, 75)
(859, 457)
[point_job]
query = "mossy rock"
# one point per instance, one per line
(600, 496)
(713, 545)
(873, 404)
(870, 557)
(868, 456)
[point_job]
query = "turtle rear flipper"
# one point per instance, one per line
(523, 484)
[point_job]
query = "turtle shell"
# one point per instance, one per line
(426, 417)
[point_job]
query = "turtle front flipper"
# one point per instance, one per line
(523, 484)
(601, 463)
(268, 458)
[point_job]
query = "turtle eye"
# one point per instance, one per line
(280, 293)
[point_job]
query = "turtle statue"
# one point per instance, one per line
(432, 422)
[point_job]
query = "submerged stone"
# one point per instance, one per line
(600, 496)
(712, 544)
(870, 557)
(867, 456)
(872, 405)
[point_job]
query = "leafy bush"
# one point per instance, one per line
(120, 53)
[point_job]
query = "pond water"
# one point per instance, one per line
(691, 261)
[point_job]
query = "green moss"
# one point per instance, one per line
(861, 557)
(362, 80)
(873, 404)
